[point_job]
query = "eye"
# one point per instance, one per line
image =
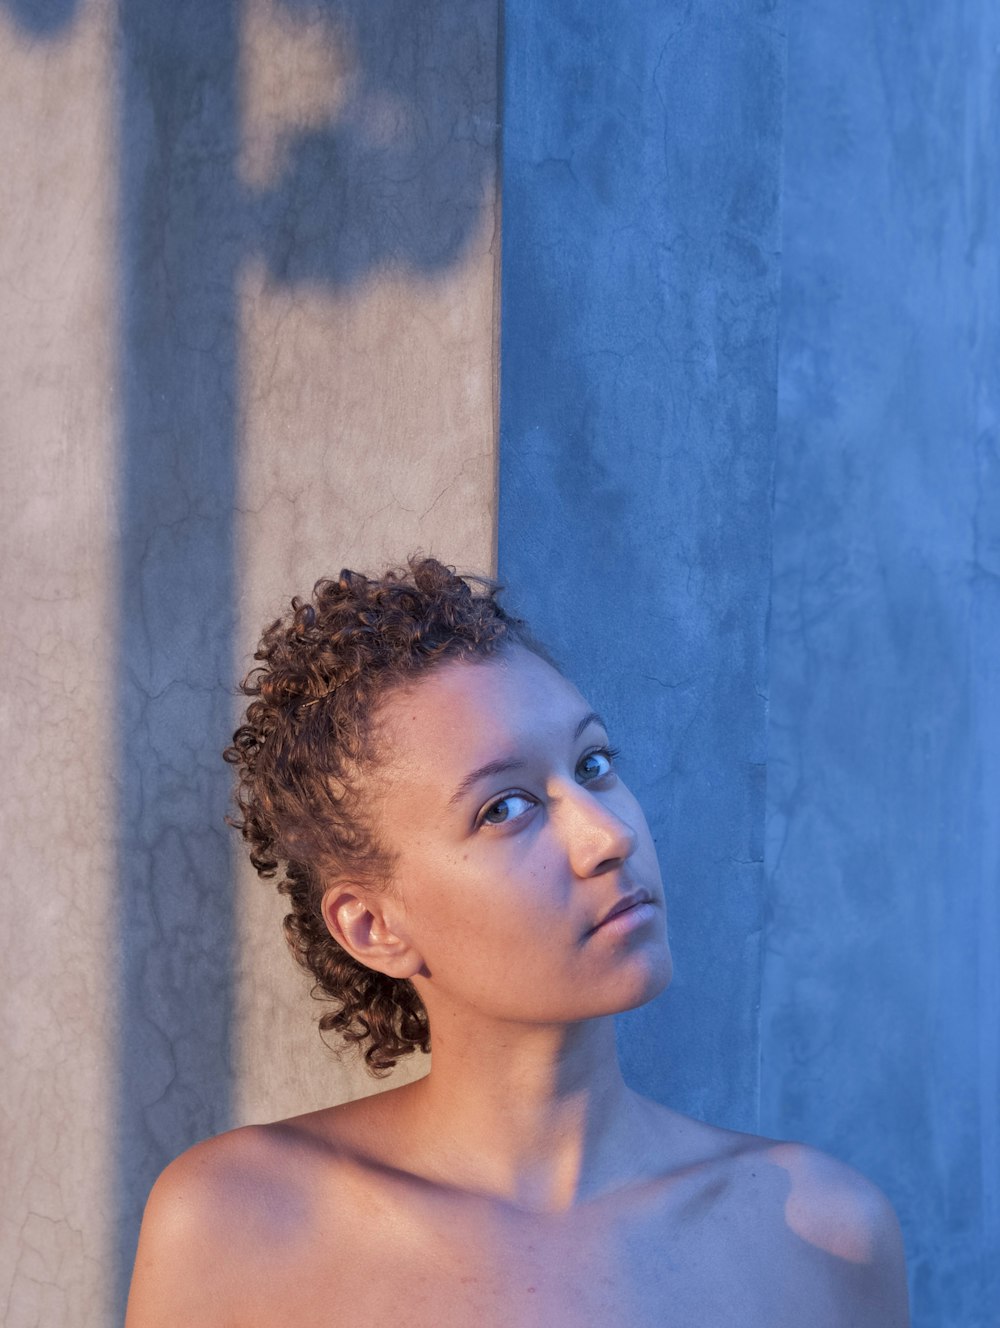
(597, 764)
(507, 808)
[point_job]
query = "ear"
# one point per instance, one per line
(358, 921)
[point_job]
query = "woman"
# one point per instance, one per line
(465, 867)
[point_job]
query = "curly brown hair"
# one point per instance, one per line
(306, 740)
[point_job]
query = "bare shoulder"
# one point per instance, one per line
(217, 1216)
(830, 1203)
(843, 1230)
(191, 1244)
(831, 1230)
(827, 1202)
(241, 1171)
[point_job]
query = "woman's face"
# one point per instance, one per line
(514, 837)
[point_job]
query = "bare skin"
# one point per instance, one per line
(521, 1182)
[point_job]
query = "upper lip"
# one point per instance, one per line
(620, 905)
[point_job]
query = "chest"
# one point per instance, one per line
(659, 1260)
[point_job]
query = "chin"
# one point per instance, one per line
(644, 983)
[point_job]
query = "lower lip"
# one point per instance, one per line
(628, 920)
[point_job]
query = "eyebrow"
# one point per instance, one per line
(502, 767)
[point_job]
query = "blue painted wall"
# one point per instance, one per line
(639, 325)
(847, 992)
(881, 1004)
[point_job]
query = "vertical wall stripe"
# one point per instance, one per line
(177, 594)
(640, 284)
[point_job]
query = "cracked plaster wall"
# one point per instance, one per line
(249, 264)
(57, 576)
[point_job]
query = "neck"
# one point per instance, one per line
(536, 1115)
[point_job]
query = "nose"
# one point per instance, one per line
(597, 839)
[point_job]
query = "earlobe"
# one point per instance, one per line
(359, 925)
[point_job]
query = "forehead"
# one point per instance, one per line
(466, 713)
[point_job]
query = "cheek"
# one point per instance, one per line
(473, 915)
(449, 901)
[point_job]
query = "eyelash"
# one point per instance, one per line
(612, 754)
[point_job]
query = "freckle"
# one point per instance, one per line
(531, 1288)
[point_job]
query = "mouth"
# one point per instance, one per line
(623, 905)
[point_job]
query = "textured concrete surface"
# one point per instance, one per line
(310, 371)
(881, 1001)
(251, 340)
(57, 657)
(367, 407)
(641, 166)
